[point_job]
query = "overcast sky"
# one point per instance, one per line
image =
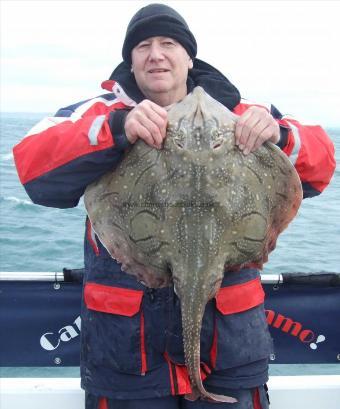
(54, 53)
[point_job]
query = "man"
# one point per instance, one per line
(132, 350)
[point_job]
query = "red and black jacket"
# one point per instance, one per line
(131, 335)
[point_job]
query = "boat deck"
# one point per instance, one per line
(293, 392)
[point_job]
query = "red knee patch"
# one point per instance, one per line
(103, 403)
(256, 399)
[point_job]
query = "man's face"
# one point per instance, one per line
(160, 66)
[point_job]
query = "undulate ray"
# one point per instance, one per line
(193, 210)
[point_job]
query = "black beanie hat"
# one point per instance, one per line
(158, 20)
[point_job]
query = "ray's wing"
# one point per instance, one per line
(126, 225)
(288, 195)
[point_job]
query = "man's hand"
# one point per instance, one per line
(254, 127)
(147, 121)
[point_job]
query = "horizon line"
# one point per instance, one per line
(324, 125)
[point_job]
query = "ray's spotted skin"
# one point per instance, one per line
(187, 213)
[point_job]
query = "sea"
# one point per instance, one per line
(37, 238)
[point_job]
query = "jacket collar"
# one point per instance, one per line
(122, 83)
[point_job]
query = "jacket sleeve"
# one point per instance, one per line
(61, 155)
(308, 147)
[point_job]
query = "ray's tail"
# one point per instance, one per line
(192, 322)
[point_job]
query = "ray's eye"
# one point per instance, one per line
(217, 144)
(180, 139)
(179, 144)
(216, 139)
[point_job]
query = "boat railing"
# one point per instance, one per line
(75, 275)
